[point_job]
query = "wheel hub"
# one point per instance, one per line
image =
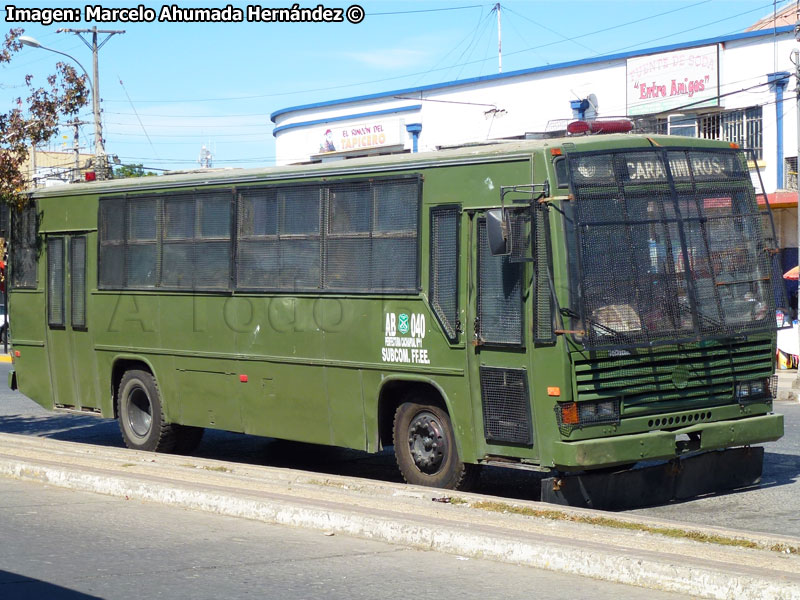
(140, 412)
(426, 442)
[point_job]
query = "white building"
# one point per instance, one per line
(738, 88)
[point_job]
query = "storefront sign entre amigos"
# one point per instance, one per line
(673, 79)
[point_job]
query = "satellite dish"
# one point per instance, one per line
(591, 112)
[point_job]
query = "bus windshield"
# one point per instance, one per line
(667, 246)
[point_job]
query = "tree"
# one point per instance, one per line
(131, 171)
(35, 120)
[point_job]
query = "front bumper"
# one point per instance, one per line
(661, 445)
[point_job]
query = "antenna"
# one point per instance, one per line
(499, 40)
(205, 158)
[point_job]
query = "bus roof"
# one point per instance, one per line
(491, 151)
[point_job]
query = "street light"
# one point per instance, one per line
(99, 150)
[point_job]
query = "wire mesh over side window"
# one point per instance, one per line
(111, 250)
(395, 261)
(55, 282)
(544, 306)
(343, 237)
(444, 268)
(371, 236)
(196, 241)
(24, 247)
(141, 248)
(278, 238)
(499, 295)
(77, 269)
(174, 241)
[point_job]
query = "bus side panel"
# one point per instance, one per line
(33, 375)
(285, 401)
(346, 406)
(84, 360)
(28, 322)
(206, 390)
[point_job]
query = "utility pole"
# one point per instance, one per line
(76, 170)
(796, 61)
(101, 161)
(499, 40)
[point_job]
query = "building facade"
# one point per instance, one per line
(739, 88)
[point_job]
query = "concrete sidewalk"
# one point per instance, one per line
(697, 561)
(787, 380)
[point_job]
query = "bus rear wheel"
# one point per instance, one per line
(141, 414)
(425, 448)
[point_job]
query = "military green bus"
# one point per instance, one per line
(573, 305)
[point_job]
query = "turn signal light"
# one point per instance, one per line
(569, 413)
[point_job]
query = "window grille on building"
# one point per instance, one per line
(743, 127)
(790, 173)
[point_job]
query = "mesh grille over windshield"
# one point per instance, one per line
(669, 245)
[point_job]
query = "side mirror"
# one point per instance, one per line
(498, 231)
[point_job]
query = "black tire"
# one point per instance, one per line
(187, 438)
(425, 448)
(141, 414)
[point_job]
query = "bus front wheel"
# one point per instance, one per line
(425, 448)
(141, 414)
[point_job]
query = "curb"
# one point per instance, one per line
(405, 515)
(5, 358)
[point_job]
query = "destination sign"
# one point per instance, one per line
(640, 167)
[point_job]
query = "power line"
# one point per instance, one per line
(546, 28)
(691, 29)
(472, 62)
(137, 115)
(427, 10)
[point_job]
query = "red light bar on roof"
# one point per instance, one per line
(606, 126)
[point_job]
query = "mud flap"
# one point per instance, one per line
(678, 479)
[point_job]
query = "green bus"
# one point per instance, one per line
(571, 305)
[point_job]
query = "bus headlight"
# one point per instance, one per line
(575, 415)
(758, 389)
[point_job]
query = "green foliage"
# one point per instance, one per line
(34, 120)
(126, 171)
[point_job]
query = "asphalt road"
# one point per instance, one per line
(773, 507)
(65, 545)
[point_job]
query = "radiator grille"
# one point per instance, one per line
(656, 380)
(506, 408)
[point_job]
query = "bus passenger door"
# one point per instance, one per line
(499, 315)
(71, 363)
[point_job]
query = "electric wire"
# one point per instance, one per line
(472, 62)
(133, 108)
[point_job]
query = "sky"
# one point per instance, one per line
(169, 88)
